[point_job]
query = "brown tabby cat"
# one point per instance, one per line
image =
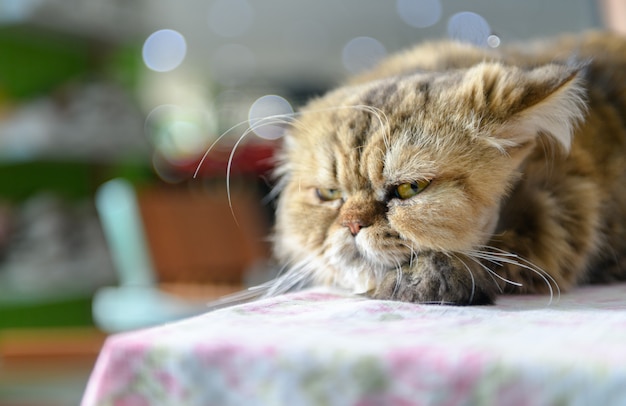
(452, 173)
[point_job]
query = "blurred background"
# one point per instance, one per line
(113, 216)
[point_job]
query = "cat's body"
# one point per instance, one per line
(451, 173)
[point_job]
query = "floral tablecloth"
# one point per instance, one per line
(329, 348)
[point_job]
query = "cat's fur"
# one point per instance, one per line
(525, 151)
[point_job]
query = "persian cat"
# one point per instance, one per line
(452, 173)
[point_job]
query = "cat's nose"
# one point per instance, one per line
(354, 226)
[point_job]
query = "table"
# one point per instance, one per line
(321, 347)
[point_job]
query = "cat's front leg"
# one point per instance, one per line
(437, 278)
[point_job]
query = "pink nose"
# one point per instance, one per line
(355, 226)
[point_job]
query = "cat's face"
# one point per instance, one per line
(377, 173)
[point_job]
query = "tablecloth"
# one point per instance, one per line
(322, 347)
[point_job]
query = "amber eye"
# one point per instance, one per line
(327, 195)
(408, 190)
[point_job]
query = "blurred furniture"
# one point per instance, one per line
(46, 366)
(193, 237)
(177, 247)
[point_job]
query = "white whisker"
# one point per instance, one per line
(287, 119)
(493, 274)
(213, 144)
(270, 120)
(383, 120)
(398, 278)
(499, 257)
(471, 274)
(284, 119)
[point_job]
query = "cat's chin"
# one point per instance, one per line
(358, 266)
(352, 272)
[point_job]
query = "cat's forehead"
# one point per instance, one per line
(382, 112)
(386, 92)
(415, 101)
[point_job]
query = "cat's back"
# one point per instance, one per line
(593, 47)
(599, 141)
(602, 50)
(601, 56)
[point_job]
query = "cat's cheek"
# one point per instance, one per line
(384, 248)
(453, 224)
(287, 249)
(339, 248)
(300, 229)
(490, 220)
(422, 224)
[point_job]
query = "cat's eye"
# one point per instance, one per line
(408, 190)
(327, 195)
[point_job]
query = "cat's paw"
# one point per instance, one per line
(437, 278)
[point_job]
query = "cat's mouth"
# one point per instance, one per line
(364, 259)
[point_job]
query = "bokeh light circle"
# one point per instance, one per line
(361, 53)
(264, 114)
(469, 27)
(178, 134)
(493, 41)
(419, 13)
(164, 50)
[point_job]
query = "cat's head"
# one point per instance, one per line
(375, 173)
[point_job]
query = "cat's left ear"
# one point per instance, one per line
(548, 100)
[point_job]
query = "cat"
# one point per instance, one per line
(451, 173)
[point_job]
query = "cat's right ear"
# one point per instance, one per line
(548, 100)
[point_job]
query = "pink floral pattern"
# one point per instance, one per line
(330, 348)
